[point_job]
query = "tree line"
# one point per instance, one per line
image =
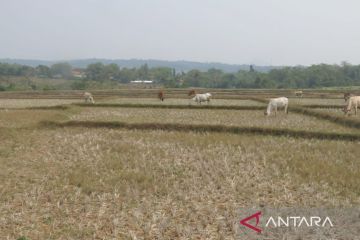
(315, 76)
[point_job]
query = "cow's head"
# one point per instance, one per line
(346, 110)
(347, 96)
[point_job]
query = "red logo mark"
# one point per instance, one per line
(245, 220)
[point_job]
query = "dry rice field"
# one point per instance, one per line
(23, 103)
(105, 182)
(244, 118)
(174, 101)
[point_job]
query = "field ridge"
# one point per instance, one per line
(204, 128)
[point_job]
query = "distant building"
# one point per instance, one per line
(78, 73)
(57, 76)
(142, 81)
(142, 84)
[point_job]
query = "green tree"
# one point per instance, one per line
(143, 72)
(126, 75)
(111, 71)
(163, 75)
(96, 71)
(193, 78)
(213, 78)
(43, 71)
(62, 69)
(251, 68)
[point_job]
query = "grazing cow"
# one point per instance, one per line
(88, 97)
(202, 98)
(352, 102)
(347, 96)
(191, 93)
(275, 103)
(299, 93)
(161, 96)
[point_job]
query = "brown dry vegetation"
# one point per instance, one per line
(339, 112)
(169, 184)
(177, 101)
(246, 118)
(101, 183)
(306, 101)
(224, 102)
(27, 118)
(22, 103)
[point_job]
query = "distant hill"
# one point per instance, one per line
(131, 63)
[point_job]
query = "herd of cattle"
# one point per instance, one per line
(352, 101)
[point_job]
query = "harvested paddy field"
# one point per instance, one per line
(23, 103)
(320, 101)
(112, 172)
(76, 183)
(247, 118)
(175, 101)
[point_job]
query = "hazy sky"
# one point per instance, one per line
(275, 32)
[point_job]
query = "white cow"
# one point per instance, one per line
(202, 98)
(352, 102)
(275, 103)
(88, 97)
